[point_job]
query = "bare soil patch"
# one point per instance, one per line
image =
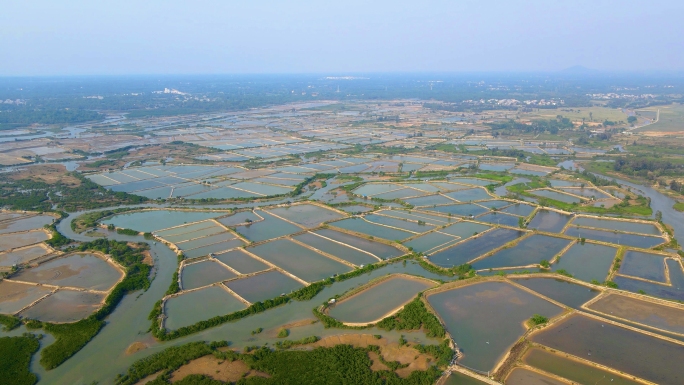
(220, 370)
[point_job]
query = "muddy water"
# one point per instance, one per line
(77, 270)
(64, 306)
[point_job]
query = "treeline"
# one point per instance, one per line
(647, 167)
(541, 125)
(72, 337)
(341, 364)
(15, 364)
(26, 115)
(413, 316)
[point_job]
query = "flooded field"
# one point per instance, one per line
(485, 319)
(264, 286)
(567, 293)
(661, 316)
(78, 270)
(587, 262)
(606, 344)
(189, 308)
(65, 306)
(379, 300)
(573, 370)
(471, 249)
(529, 251)
(299, 260)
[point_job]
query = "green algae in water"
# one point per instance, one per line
(485, 319)
(378, 300)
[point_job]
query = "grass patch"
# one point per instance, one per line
(679, 206)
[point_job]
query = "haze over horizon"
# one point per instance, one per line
(213, 37)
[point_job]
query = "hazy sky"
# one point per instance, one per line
(48, 37)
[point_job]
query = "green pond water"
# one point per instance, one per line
(573, 370)
(241, 261)
(349, 254)
(64, 306)
(270, 227)
(549, 221)
(471, 249)
(378, 249)
(264, 286)
(609, 224)
(522, 376)
(567, 293)
(189, 308)
(204, 273)
(642, 241)
(485, 319)
(307, 215)
(299, 260)
(643, 265)
(529, 251)
(375, 302)
(77, 270)
(360, 226)
(586, 262)
(149, 221)
(658, 360)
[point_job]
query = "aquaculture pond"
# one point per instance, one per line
(359, 225)
(473, 194)
(153, 220)
(550, 221)
(573, 370)
(306, 215)
(669, 317)
(461, 210)
(559, 290)
(238, 218)
(11, 241)
(613, 224)
(418, 216)
(675, 292)
(23, 255)
(241, 261)
(355, 208)
(659, 360)
(378, 249)
(213, 248)
(299, 260)
(270, 227)
(204, 273)
(205, 241)
(264, 286)
(519, 209)
(529, 251)
(189, 308)
(432, 242)
(77, 270)
(643, 265)
(403, 224)
(376, 188)
(641, 241)
(522, 376)
(471, 249)
(465, 229)
(587, 262)
(485, 319)
(345, 252)
(499, 219)
(429, 200)
(25, 223)
(555, 195)
(65, 306)
(16, 296)
(377, 301)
